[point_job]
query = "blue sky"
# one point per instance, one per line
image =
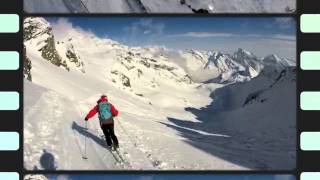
(261, 35)
(173, 177)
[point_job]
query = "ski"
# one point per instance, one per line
(119, 161)
(123, 159)
(116, 154)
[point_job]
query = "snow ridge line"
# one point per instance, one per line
(183, 2)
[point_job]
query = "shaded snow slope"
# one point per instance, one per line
(166, 116)
(259, 116)
(163, 6)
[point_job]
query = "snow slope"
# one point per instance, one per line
(82, 6)
(35, 177)
(165, 116)
(244, 6)
(163, 6)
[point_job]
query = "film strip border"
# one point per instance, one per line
(308, 90)
(11, 97)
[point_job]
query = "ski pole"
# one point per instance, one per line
(85, 143)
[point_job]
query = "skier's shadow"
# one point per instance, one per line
(85, 132)
(47, 161)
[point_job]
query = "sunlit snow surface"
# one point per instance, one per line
(165, 122)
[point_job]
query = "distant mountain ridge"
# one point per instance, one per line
(128, 64)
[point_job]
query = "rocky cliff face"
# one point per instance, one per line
(26, 66)
(39, 33)
(49, 52)
(38, 28)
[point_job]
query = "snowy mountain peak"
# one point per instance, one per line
(217, 59)
(216, 54)
(243, 54)
(277, 62)
(215, 66)
(197, 54)
(136, 70)
(34, 27)
(39, 35)
(272, 59)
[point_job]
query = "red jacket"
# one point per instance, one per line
(94, 111)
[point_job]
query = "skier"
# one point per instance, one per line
(106, 112)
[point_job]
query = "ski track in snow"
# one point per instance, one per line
(76, 6)
(136, 6)
(134, 151)
(51, 131)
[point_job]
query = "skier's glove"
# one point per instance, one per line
(86, 119)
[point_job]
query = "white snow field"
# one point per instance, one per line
(35, 177)
(240, 117)
(160, 6)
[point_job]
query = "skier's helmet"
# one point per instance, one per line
(103, 96)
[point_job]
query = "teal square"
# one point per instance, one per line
(310, 60)
(9, 175)
(310, 100)
(9, 60)
(310, 176)
(9, 141)
(309, 141)
(9, 101)
(9, 23)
